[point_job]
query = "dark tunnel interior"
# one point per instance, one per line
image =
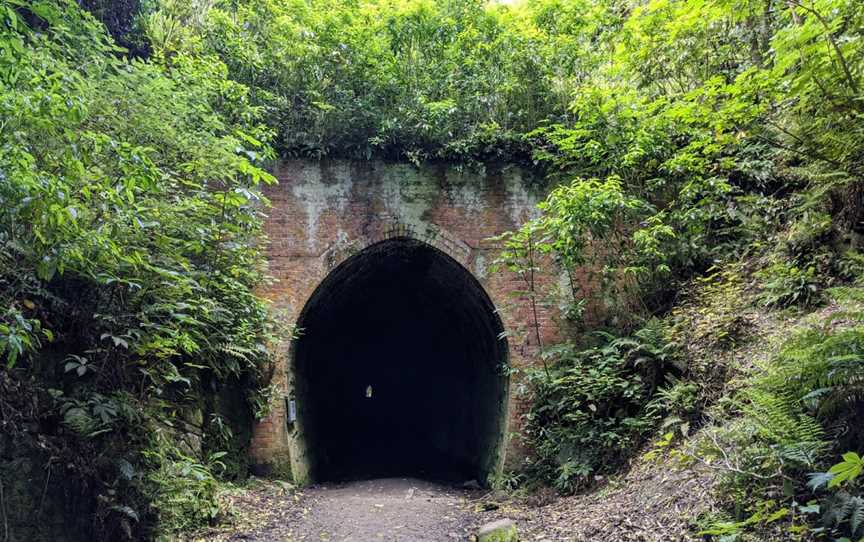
(398, 369)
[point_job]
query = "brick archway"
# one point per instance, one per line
(325, 212)
(405, 316)
(385, 228)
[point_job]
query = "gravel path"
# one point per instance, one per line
(389, 509)
(386, 510)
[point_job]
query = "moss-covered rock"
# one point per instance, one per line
(503, 530)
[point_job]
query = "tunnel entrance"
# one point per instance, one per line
(399, 369)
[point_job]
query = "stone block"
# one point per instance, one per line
(503, 530)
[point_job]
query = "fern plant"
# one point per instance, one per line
(796, 438)
(804, 405)
(843, 510)
(677, 404)
(826, 367)
(844, 513)
(590, 411)
(786, 285)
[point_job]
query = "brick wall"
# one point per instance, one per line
(324, 211)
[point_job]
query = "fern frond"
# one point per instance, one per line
(856, 515)
(80, 421)
(236, 351)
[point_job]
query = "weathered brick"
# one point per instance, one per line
(324, 211)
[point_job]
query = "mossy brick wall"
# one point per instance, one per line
(324, 211)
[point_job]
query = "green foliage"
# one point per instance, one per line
(803, 264)
(585, 210)
(847, 470)
(719, 117)
(851, 268)
(677, 404)
(589, 412)
(844, 515)
(843, 509)
(520, 255)
(186, 490)
(767, 514)
(130, 218)
(678, 136)
(784, 285)
(712, 315)
(700, 112)
(585, 226)
(410, 79)
(20, 336)
(508, 481)
(793, 415)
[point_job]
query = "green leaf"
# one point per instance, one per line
(847, 470)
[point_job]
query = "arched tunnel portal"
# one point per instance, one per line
(399, 369)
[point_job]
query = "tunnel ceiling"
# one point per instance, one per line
(409, 324)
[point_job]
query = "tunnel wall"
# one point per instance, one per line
(323, 212)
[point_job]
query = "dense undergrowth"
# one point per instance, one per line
(133, 349)
(777, 437)
(704, 193)
(706, 158)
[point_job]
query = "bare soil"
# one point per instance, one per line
(653, 502)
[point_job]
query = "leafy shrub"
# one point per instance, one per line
(810, 233)
(507, 481)
(130, 220)
(842, 511)
(186, 491)
(412, 80)
(589, 412)
(677, 404)
(843, 515)
(588, 226)
(851, 267)
(804, 263)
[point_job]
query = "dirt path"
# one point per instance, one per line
(654, 501)
(387, 510)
